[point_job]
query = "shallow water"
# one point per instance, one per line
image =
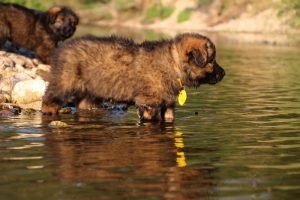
(239, 139)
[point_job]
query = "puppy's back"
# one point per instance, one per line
(88, 62)
(91, 51)
(11, 10)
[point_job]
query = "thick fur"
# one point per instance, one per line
(36, 30)
(118, 69)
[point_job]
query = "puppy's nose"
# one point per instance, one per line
(223, 73)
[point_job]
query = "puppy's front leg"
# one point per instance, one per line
(167, 114)
(148, 113)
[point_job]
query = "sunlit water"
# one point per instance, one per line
(239, 139)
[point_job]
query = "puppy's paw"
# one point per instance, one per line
(50, 109)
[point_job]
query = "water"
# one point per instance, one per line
(239, 139)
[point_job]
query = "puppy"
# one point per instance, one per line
(150, 75)
(36, 30)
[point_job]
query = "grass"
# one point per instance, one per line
(204, 2)
(295, 6)
(184, 16)
(154, 12)
(92, 3)
(287, 6)
(166, 12)
(123, 5)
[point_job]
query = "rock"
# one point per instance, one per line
(28, 91)
(24, 61)
(28, 111)
(6, 86)
(66, 110)
(13, 108)
(58, 124)
(22, 77)
(6, 62)
(36, 105)
(3, 98)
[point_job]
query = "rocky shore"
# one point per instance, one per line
(23, 83)
(21, 79)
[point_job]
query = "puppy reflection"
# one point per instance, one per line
(147, 161)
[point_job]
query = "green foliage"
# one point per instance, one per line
(201, 2)
(223, 8)
(152, 35)
(93, 3)
(106, 16)
(35, 4)
(155, 12)
(292, 5)
(166, 12)
(151, 13)
(225, 4)
(122, 5)
(21, 2)
(184, 16)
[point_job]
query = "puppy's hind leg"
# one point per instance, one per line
(52, 100)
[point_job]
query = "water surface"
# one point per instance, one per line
(239, 139)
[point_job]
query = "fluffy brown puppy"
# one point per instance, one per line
(149, 75)
(36, 30)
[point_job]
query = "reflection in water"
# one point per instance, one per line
(243, 143)
(149, 160)
(179, 144)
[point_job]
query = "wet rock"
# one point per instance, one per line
(29, 111)
(5, 62)
(37, 105)
(58, 124)
(66, 110)
(11, 108)
(20, 77)
(5, 89)
(28, 91)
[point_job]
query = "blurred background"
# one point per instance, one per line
(277, 20)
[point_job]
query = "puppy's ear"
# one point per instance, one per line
(52, 14)
(194, 56)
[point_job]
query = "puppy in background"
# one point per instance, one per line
(36, 30)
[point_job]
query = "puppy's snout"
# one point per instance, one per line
(67, 31)
(219, 72)
(220, 75)
(223, 73)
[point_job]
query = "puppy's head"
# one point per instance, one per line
(197, 57)
(62, 21)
